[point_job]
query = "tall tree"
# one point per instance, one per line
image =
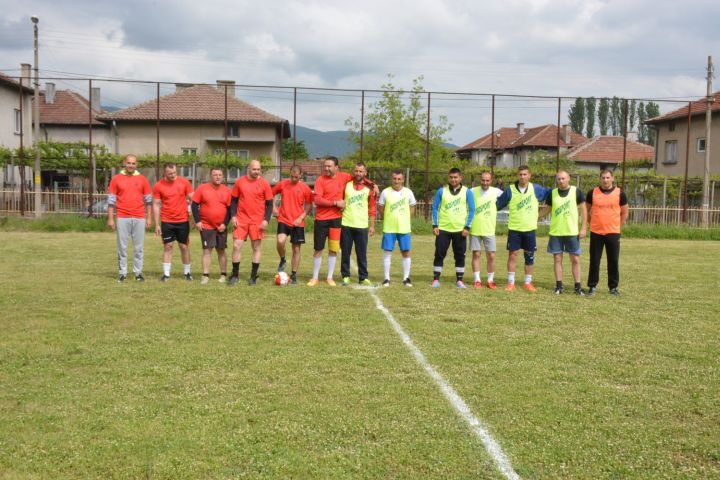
(604, 116)
(590, 117)
(616, 116)
(652, 110)
(641, 128)
(632, 115)
(300, 149)
(577, 116)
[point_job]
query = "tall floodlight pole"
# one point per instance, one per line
(36, 117)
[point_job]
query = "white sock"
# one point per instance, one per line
(317, 261)
(387, 258)
(166, 269)
(477, 276)
(186, 268)
(406, 262)
(511, 278)
(491, 276)
(528, 278)
(331, 265)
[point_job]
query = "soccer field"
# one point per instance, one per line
(179, 380)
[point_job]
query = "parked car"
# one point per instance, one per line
(99, 208)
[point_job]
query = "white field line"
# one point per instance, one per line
(491, 445)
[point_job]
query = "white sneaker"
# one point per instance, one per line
(222, 279)
(205, 280)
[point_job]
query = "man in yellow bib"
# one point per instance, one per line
(522, 199)
(564, 202)
(358, 221)
(482, 230)
(452, 212)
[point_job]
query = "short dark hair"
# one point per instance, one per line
(169, 165)
(397, 171)
(361, 164)
(296, 168)
(523, 167)
(607, 170)
(333, 158)
(216, 168)
(454, 170)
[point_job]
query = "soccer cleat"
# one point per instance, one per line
(558, 290)
(580, 292)
(222, 279)
(365, 282)
(510, 287)
(331, 282)
(252, 281)
(477, 284)
(205, 279)
(530, 287)
(233, 280)
(313, 282)
(386, 283)
(293, 279)
(281, 265)
(122, 278)
(435, 283)
(188, 277)
(460, 284)
(164, 278)
(491, 285)
(346, 281)
(591, 292)
(614, 292)
(407, 282)
(139, 278)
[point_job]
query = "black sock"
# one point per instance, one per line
(206, 274)
(236, 269)
(436, 275)
(459, 276)
(293, 273)
(558, 284)
(282, 259)
(224, 274)
(577, 286)
(255, 267)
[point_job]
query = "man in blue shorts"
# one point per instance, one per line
(564, 202)
(396, 206)
(523, 199)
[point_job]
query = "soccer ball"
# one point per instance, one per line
(281, 278)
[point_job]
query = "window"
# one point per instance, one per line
(671, 152)
(701, 145)
(244, 154)
(185, 171)
(18, 121)
(233, 131)
(233, 174)
(189, 151)
(671, 127)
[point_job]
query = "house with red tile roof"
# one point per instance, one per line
(511, 147)
(192, 121)
(606, 151)
(671, 139)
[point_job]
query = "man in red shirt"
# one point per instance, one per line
(329, 194)
(170, 209)
(295, 205)
(251, 206)
(130, 196)
(211, 212)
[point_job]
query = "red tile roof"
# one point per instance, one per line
(509, 138)
(697, 107)
(308, 167)
(12, 83)
(201, 103)
(69, 108)
(609, 149)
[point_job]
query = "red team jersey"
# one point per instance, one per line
(213, 202)
(130, 190)
(251, 195)
(173, 197)
(330, 189)
(294, 199)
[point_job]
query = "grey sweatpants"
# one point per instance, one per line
(130, 228)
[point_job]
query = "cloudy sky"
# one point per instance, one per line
(631, 48)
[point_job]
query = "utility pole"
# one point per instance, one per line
(708, 125)
(36, 118)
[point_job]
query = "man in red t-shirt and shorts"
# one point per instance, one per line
(170, 209)
(211, 212)
(251, 207)
(295, 205)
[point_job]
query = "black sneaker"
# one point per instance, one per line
(252, 280)
(164, 278)
(579, 291)
(139, 278)
(281, 266)
(614, 292)
(407, 282)
(591, 292)
(122, 278)
(558, 290)
(188, 277)
(386, 283)
(233, 280)
(293, 279)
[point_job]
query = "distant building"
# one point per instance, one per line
(671, 139)
(15, 122)
(513, 146)
(605, 151)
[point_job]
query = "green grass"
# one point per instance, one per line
(179, 380)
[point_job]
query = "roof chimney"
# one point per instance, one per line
(95, 100)
(565, 134)
(521, 128)
(25, 74)
(230, 87)
(182, 86)
(49, 93)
